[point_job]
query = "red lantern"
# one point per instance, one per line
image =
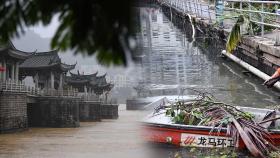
(2, 69)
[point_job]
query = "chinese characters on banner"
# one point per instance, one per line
(205, 141)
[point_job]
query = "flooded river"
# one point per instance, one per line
(166, 57)
(170, 57)
(109, 138)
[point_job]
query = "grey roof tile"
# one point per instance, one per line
(42, 59)
(45, 60)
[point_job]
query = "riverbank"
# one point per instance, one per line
(257, 51)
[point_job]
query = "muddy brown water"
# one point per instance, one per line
(110, 138)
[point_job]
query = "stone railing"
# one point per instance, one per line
(54, 92)
(12, 86)
(94, 97)
(109, 101)
(89, 97)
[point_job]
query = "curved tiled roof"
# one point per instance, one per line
(83, 76)
(70, 80)
(98, 83)
(67, 67)
(45, 60)
(99, 80)
(102, 88)
(10, 50)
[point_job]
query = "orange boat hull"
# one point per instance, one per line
(194, 136)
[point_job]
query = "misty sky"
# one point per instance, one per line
(47, 31)
(38, 38)
(32, 43)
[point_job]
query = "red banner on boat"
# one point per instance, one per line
(2, 69)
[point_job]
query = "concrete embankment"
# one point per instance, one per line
(257, 51)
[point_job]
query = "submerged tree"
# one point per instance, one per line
(86, 26)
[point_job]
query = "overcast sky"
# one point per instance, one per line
(47, 31)
(86, 64)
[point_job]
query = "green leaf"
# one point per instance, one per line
(85, 26)
(168, 112)
(235, 34)
(172, 113)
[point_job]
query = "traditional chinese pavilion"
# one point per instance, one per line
(89, 83)
(10, 59)
(46, 69)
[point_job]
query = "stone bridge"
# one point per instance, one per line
(21, 108)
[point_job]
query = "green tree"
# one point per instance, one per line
(86, 26)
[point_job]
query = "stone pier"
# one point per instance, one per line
(54, 112)
(13, 111)
(90, 111)
(136, 104)
(109, 111)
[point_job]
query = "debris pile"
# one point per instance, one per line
(206, 111)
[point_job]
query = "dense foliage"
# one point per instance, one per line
(86, 26)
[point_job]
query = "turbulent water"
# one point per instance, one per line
(167, 60)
